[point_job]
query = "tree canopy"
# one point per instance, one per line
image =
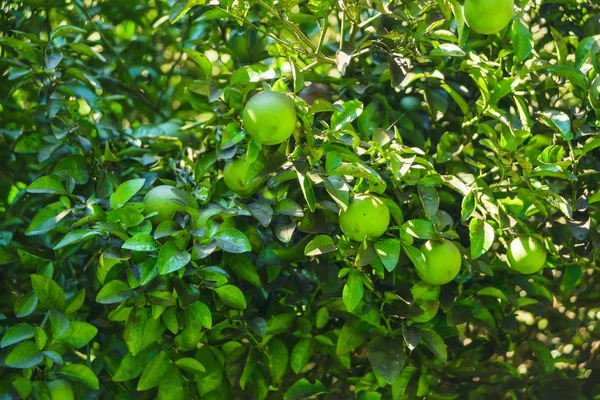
(319, 172)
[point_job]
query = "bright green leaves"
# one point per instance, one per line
(232, 296)
(17, 333)
(388, 251)
(134, 330)
(114, 292)
(48, 292)
(171, 258)
(200, 313)
(353, 290)
(482, 237)
(156, 369)
(24, 355)
(80, 373)
(126, 191)
(321, 244)
(301, 354)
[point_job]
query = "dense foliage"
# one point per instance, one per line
(247, 287)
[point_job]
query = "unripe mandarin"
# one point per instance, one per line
(269, 117)
(366, 216)
(442, 262)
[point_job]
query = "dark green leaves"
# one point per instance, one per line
(387, 357)
(436, 344)
(46, 184)
(303, 389)
(232, 240)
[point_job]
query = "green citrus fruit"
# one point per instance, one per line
(60, 390)
(488, 16)
(240, 178)
(205, 213)
(526, 255)
(366, 216)
(269, 117)
(160, 199)
(442, 262)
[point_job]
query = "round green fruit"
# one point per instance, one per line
(488, 16)
(526, 255)
(160, 199)
(60, 390)
(269, 117)
(238, 177)
(367, 216)
(442, 262)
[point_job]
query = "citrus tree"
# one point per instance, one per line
(370, 200)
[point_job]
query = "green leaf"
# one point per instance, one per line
(243, 266)
(353, 290)
(348, 340)
(201, 314)
(73, 167)
(59, 323)
(25, 305)
(543, 355)
(301, 355)
(559, 121)
(522, 41)
(387, 356)
(190, 365)
(156, 369)
(25, 355)
(78, 334)
(134, 330)
(17, 333)
(401, 383)
(447, 50)
(436, 344)
(202, 61)
(75, 236)
(278, 356)
(125, 191)
(80, 373)
(388, 251)
(482, 237)
(308, 191)
(140, 242)
(345, 113)
(65, 30)
(46, 184)
(232, 240)
(321, 244)
(47, 219)
(303, 389)
(419, 228)
(468, 206)
(232, 296)
(171, 259)
(571, 73)
(171, 387)
(114, 292)
(48, 292)
(181, 7)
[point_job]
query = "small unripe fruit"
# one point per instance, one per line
(238, 177)
(526, 255)
(488, 16)
(442, 262)
(269, 117)
(160, 199)
(366, 216)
